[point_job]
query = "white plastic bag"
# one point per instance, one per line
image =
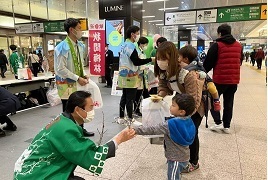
(93, 88)
(22, 73)
(154, 113)
(152, 80)
(53, 97)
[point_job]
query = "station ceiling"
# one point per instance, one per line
(60, 9)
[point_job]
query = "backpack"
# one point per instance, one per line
(197, 65)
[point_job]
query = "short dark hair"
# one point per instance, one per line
(160, 40)
(1, 50)
(142, 40)
(13, 47)
(185, 102)
(131, 29)
(188, 52)
(77, 98)
(224, 29)
(70, 22)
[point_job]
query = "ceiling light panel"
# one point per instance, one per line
(156, 20)
(148, 16)
(152, 1)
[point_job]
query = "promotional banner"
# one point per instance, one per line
(96, 46)
(115, 35)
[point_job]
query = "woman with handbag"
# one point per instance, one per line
(34, 59)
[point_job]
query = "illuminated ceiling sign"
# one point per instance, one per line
(217, 15)
(206, 16)
(186, 17)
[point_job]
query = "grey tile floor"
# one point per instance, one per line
(240, 155)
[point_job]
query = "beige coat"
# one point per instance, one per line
(50, 59)
(191, 84)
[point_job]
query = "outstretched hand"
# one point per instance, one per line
(125, 135)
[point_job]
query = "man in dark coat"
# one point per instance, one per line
(9, 103)
(3, 63)
(109, 57)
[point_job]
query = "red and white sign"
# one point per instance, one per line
(96, 46)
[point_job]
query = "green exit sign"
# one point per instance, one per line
(54, 26)
(238, 13)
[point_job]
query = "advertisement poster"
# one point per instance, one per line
(96, 46)
(183, 43)
(115, 35)
(136, 23)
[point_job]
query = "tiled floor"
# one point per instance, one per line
(240, 155)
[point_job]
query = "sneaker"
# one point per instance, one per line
(138, 114)
(10, 128)
(217, 106)
(226, 130)
(120, 120)
(190, 168)
(2, 133)
(216, 127)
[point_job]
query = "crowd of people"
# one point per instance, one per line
(62, 143)
(255, 57)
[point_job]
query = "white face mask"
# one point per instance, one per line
(90, 116)
(163, 65)
(78, 34)
(137, 38)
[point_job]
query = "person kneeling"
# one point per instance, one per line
(60, 146)
(9, 103)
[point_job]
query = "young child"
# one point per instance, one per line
(188, 55)
(179, 133)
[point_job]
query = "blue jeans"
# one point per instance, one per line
(174, 169)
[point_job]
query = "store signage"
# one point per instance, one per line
(114, 8)
(263, 11)
(218, 15)
(54, 26)
(185, 17)
(84, 24)
(23, 28)
(206, 16)
(38, 27)
(184, 35)
(238, 13)
(96, 49)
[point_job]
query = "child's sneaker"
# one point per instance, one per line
(190, 167)
(217, 106)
